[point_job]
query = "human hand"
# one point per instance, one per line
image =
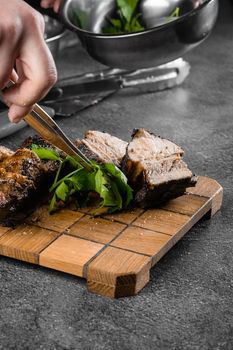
(22, 46)
(51, 3)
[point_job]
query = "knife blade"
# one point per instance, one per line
(74, 104)
(147, 80)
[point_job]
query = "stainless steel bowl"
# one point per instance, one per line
(162, 41)
(54, 32)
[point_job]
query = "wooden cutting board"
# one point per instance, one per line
(114, 253)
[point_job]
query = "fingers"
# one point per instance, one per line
(16, 112)
(14, 76)
(22, 43)
(47, 3)
(57, 5)
(51, 3)
(37, 74)
(7, 58)
(5, 73)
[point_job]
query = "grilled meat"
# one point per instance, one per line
(155, 169)
(37, 140)
(153, 165)
(23, 162)
(4, 153)
(102, 147)
(48, 165)
(22, 174)
(14, 190)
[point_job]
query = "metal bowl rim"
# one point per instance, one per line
(56, 37)
(127, 35)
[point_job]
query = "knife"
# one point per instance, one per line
(147, 80)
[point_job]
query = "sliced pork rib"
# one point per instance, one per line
(102, 147)
(155, 169)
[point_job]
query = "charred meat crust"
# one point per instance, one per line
(24, 181)
(49, 166)
(155, 169)
(148, 197)
(37, 140)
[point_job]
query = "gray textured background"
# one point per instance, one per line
(188, 303)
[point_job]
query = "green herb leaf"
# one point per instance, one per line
(176, 12)
(128, 19)
(80, 18)
(105, 179)
(45, 153)
(121, 181)
(53, 204)
(62, 191)
(127, 8)
(72, 162)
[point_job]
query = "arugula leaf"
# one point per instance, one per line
(62, 191)
(45, 153)
(80, 18)
(106, 180)
(121, 181)
(127, 21)
(53, 203)
(127, 8)
(175, 13)
(101, 182)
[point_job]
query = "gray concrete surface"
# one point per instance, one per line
(188, 302)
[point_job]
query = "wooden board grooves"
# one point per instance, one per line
(69, 254)
(113, 252)
(85, 266)
(26, 242)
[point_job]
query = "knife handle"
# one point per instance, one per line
(146, 80)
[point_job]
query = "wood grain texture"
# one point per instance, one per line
(188, 204)
(210, 188)
(126, 272)
(113, 252)
(3, 230)
(69, 254)
(26, 242)
(96, 229)
(141, 241)
(59, 221)
(162, 221)
(125, 217)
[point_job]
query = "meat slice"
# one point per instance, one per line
(14, 190)
(23, 179)
(102, 147)
(23, 162)
(4, 153)
(48, 166)
(155, 169)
